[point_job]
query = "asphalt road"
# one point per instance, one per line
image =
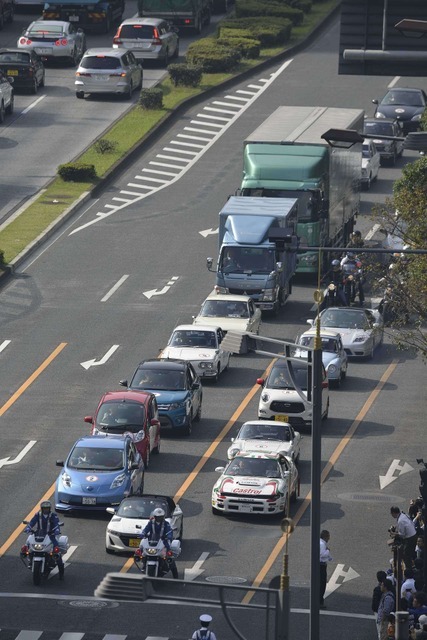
(53, 127)
(53, 315)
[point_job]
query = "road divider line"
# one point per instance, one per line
(32, 378)
(31, 106)
(327, 469)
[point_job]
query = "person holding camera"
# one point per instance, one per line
(404, 533)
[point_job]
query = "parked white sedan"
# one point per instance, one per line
(257, 483)
(230, 312)
(371, 160)
(201, 346)
(266, 436)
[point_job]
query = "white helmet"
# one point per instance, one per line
(158, 513)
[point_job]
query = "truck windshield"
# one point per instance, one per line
(309, 202)
(243, 259)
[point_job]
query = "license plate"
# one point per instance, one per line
(134, 542)
(281, 418)
(12, 72)
(73, 18)
(99, 77)
(42, 52)
(245, 508)
(88, 500)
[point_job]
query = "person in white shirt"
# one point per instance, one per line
(408, 585)
(405, 530)
(325, 557)
(204, 633)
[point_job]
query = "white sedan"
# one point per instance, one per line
(371, 160)
(256, 483)
(230, 312)
(201, 346)
(266, 436)
(131, 517)
(361, 330)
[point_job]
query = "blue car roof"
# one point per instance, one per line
(101, 441)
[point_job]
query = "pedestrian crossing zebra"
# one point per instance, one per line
(26, 634)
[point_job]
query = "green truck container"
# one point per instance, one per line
(285, 157)
(188, 14)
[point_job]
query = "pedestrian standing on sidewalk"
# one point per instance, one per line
(406, 532)
(325, 557)
(386, 606)
(204, 633)
(377, 593)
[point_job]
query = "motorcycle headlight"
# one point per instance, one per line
(152, 551)
(38, 547)
(66, 480)
(177, 405)
(118, 481)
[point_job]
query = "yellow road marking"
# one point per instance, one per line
(327, 469)
(3, 410)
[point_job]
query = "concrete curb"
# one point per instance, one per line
(149, 139)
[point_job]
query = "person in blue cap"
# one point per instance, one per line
(204, 633)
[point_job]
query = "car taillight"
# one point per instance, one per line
(61, 43)
(117, 40)
(156, 41)
(118, 75)
(86, 75)
(24, 41)
(56, 550)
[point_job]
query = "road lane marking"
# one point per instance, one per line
(278, 548)
(32, 378)
(4, 344)
(31, 106)
(21, 454)
(372, 231)
(114, 288)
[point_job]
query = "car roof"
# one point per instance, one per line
(122, 396)
(153, 22)
(102, 442)
(228, 297)
(265, 423)
(173, 364)
(105, 51)
(195, 327)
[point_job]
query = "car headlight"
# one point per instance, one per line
(177, 405)
(219, 289)
(139, 436)
(118, 481)
(417, 118)
(380, 115)
(268, 294)
(265, 397)
(206, 365)
(233, 452)
(332, 368)
(361, 339)
(66, 479)
(113, 532)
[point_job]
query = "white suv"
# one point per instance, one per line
(279, 399)
(6, 96)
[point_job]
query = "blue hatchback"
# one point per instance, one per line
(177, 388)
(98, 473)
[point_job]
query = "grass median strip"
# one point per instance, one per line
(123, 135)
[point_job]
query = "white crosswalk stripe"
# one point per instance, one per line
(24, 634)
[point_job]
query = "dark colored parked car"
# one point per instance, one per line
(403, 104)
(389, 150)
(24, 67)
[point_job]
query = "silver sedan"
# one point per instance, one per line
(54, 39)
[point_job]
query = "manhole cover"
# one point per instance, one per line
(226, 579)
(369, 497)
(89, 604)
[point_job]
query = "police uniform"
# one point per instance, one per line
(204, 633)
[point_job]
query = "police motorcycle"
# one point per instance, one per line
(153, 559)
(353, 278)
(40, 555)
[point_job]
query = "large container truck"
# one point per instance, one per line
(286, 157)
(188, 14)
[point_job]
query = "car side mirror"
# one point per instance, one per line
(219, 469)
(123, 383)
(375, 101)
(154, 422)
(195, 385)
(59, 463)
(376, 325)
(310, 322)
(88, 419)
(111, 510)
(209, 263)
(233, 439)
(260, 381)
(133, 466)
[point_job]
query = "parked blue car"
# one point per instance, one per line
(177, 388)
(98, 473)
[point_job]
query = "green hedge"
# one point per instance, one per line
(248, 47)
(304, 5)
(185, 75)
(151, 98)
(77, 172)
(251, 8)
(269, 31)
(213, 58)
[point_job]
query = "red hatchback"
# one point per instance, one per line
(132, 413)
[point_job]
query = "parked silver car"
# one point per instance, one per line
(148, 38)
(108, 71)
(54, 39)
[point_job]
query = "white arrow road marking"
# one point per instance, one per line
(96, 363)
(155, 292)
(339, 572)
(209, 232)
(195, 571)
(65, 559)
(390, 477)
(18, 458)
(4, 344)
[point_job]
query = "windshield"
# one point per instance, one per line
(366, 151)
(14, 56)
(408, 98)
(380, 128)
(344, 319)
(280, 432)
(224, 309)
(100, 62)
(190, 338)
(118, 417)
(96, 459)
(244, 259)
(328, 344)
(258, 467)
(280, 378)
(141, 508)
(43, 29)
(137, 31)
(156, 379)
